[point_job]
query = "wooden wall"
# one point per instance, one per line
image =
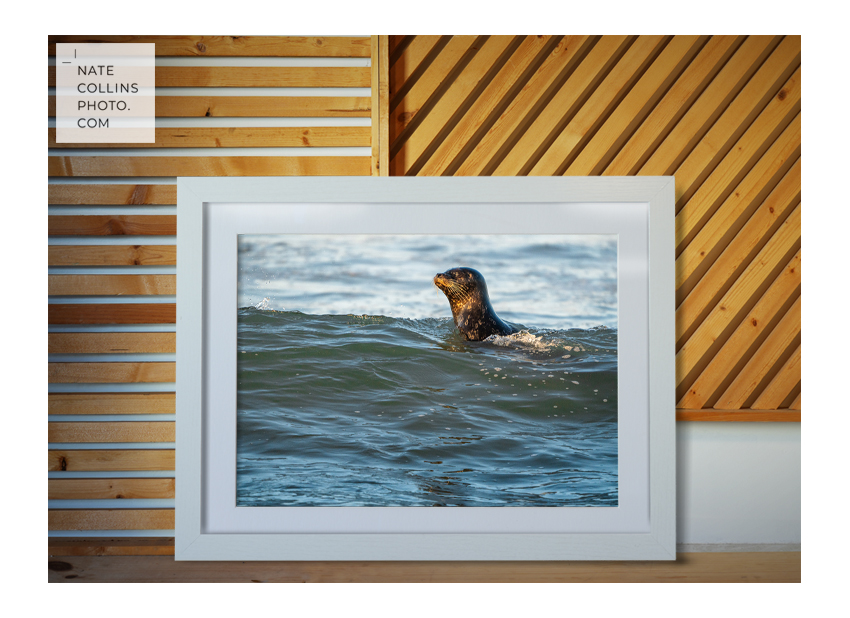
(722, 114)
(112, 253)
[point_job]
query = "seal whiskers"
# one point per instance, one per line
(473, 314)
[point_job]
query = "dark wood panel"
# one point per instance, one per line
(208, 166)
(259, 46)
(688, 567)
(129, 313)
(112, 225)
(111, 255)
(105, 546)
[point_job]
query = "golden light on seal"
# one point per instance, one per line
(473, 314)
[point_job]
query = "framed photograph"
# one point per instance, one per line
(354, 353)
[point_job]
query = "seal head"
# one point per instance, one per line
(471, 309)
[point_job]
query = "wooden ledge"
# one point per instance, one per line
(70, 560)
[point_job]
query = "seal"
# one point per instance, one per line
(471, 309)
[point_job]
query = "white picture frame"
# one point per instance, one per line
(212, 211)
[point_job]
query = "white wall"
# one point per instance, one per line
(738, 483)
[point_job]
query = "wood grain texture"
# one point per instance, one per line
(259, 106)
(742, 295)
(770, 354)
(237, 137)
(111, 255)
(127, 195)
(746, 338)
(111, 343)
(111, 403)
(111, 285)
(112, 225)
(782, 385)
(105, 546)
(739, 416)
(214, 46)
(109, 460)
(129, 313)
(110, 519)
(673, 105)
(70, 564)
(110, 489)
(498, 93)
(208, 166)
(254, 77)
(254, 107)
(619, 81)
(131, 431)
(101, 373)
(720, 113)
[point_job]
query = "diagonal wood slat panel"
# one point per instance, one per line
(720, 113)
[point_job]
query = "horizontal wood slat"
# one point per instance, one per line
(112, 225)
(260, 46)
(111, 403)
(257, 107)
(111, 285)
(236, 137)
(741, 416)
(208, 166)
(255, 77)
(131, 431)
(119, 460)
(110, 489)
(129, 313)
(128, 195)
(110, 519)
(111, 343)
(111, 255)
(121, 546)
(95, 373)
(81, 566)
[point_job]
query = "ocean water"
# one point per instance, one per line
(354, 388)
